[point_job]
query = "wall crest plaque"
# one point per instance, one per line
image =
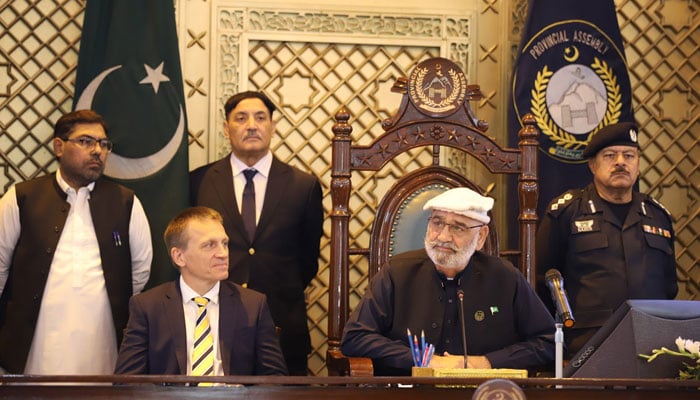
(437, 87)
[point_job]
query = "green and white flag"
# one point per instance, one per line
(129, 72)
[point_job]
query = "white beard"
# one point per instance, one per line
(446, 261)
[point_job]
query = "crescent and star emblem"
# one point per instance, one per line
(571, 54)
(127, 168)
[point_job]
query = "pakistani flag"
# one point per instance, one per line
(571, 74)
(129, 72)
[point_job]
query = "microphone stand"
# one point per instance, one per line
(460, 294)
(558, 351)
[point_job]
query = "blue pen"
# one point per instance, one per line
(416, 351)
(431, 351)
(410, 344)
(422, 341)
(117, 238)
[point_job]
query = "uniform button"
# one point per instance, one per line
(48, 250)
(251, 251)
(449, 321)
(36, 297)
(449, 301)
(440, 299)
(244, 284)
(55, 229)
(447, 340)
(433, 325)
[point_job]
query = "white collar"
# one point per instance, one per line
(262, 166)
(188, 293)
(66, 187)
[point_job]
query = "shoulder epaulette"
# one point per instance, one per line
(563, 201)
(659, 205)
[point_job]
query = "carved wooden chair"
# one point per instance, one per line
(435, 112)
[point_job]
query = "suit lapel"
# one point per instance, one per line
(223, 186)
(226, 325)
(173, 311)
(277, 186)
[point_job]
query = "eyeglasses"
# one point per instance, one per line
(438, 224)
(89, 143)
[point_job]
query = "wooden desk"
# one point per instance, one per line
(326, 388)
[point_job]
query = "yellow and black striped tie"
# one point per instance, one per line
(203, 351)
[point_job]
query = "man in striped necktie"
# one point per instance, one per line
(201, 324)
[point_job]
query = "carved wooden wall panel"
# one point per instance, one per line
(662, 43)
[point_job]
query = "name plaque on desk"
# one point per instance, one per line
(469, 372)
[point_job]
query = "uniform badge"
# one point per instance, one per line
(655, 230)
(561, 201)
(479, 316)
(661, 206)
(584, 226)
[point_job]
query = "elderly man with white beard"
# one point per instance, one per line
(506, 325)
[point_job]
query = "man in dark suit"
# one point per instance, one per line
(171, 332)
(275, 250)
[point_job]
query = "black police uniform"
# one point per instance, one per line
(603, 260)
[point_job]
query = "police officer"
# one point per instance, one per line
(610, 242)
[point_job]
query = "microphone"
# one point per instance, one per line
(460, 294)
(555, 283)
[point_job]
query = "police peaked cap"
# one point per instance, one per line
(620, 134)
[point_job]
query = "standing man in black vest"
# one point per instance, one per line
(273, 216)
(74, 247)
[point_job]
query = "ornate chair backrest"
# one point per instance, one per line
(434, 112)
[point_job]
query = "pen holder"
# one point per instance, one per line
(422, 371)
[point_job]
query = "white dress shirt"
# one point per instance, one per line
(190, 309)
(75, 330)
(259, 180)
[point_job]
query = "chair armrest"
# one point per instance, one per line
(340, 365)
